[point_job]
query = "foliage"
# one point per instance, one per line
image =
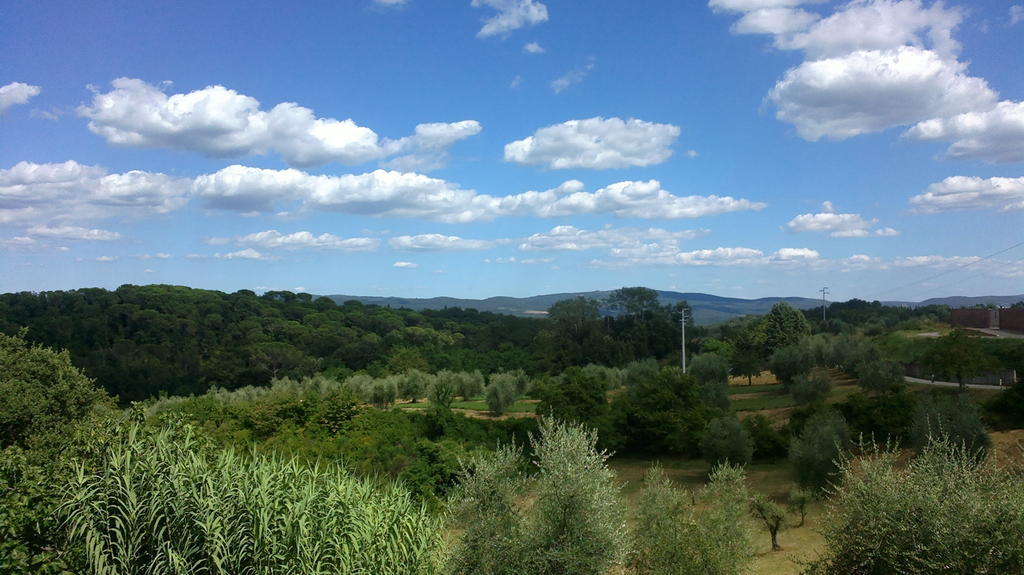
(574, 525)
(159, 503)
(811, 387)
(789, 362)
(799, 499)
(41, 392)
(140, 341)
(879, 376)
(1007, 408)
(500, 393)
(576, 396)
(712, 373)
(941, 514)
(493, 541)
(726, 441)
(442, 392)
(770, 514)
(660, 411)
(769, 443)
(816, 451)
(782, 327)
(887, 417)
(953, 417)
(957, 356)
(675, 536)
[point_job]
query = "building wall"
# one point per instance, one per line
(975, 317)
(1011, 319)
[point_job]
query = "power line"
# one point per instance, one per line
(949, 271)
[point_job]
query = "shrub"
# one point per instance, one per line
(816, 451)
(879, 376)
(789, 362)
(441, 392)
(712, 373)
(41, 392)
(726, 441)
(770, 444)
(575, 524)
(952, 416)
(942, 513)
(812, 387)
(675, 535)
(500, 394)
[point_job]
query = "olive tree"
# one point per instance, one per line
(712, 373)
(678, 532)
(575, 524)
(817, 450)
(941, 513)
(726, 440)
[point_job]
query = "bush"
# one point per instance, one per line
(885, 418)
(952, 416)
(726, 441)
(770, 444)
(674, 535)
(575, 524)
(41, 392)
(812, 387)
(942, 513)
(442, 392)
(816, 451)
(413, 384)
(500, 394)
(712, 374)
(789, 362)
(879, 376)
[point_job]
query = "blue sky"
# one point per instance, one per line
(476, 148)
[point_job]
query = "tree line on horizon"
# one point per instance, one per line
(142, 341)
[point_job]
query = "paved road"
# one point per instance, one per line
(909, 379)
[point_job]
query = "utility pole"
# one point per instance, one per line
(824, 292)
(682, 325)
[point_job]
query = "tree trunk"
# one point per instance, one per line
(775, 540)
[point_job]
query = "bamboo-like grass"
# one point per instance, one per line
(159, 503)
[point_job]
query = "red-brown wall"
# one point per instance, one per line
(975, 317)
(1011, 319)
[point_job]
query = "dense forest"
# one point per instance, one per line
(141, 341)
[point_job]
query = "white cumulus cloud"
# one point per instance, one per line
(220, 122)
(16, 93)
(837, 225)
(273, 239)
(571, 238)
(872, 90)
(437, 242)
(596, 143)
(971, 193)
(410, 195)
(38, 194)
(405, 265)
(73, 233)
(995, 135)
(512, 15)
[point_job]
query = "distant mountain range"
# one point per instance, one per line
(707, 309)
